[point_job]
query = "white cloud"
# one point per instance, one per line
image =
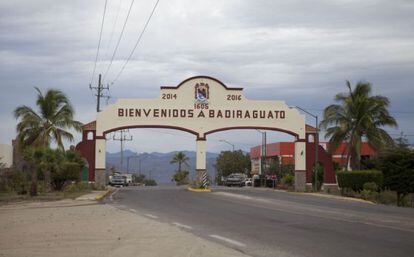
(298, 51)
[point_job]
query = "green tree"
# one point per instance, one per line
(50, 124)
(397, 165)
(61, 166)
(232, 162)
(181, 159)
(33, 157)
(181, 177)
(69, 167)
(138, 178)
(358, 115)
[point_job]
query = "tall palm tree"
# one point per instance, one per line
(181, 159)
(50, 124)
(358, 115)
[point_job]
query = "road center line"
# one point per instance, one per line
(228, 240)
(182, 225)
(151, 216)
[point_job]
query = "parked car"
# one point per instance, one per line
(248, 182)
(118, 180)
(235, 179)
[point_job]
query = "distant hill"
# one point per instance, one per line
(158, 164)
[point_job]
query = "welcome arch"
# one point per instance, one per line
(201, 106)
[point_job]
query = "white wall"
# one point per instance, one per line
(6, 155)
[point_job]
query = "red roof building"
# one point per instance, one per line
(283, 153)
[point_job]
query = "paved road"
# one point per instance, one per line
(261, 222)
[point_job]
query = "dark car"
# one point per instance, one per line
(235, 180)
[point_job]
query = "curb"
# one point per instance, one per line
(337, 197)
(103, 195)
(199, 190)
(344, 198)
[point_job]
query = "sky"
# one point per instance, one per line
(301, 52)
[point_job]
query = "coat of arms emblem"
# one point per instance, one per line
(202, 92)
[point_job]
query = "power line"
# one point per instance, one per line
(119, 39)
(99, 43)
(113, 29)
(136, 44)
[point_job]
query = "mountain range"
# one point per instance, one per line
(157, 165)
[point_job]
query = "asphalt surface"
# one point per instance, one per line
(262, 222)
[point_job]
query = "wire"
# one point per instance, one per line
(136, 44)
(99, 43)
(113, 29)
(119, 39)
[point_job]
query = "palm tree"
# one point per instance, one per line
(50, 124)
(180, 158)
(358, 115)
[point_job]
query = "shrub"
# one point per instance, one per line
(69, 171)
(387, 197)
(14, 181)
(181, 177)
(138, 178)
(20, 182)
(397, 164)
(369, 195)
(288, 180)
(319, 172)
(370, 186)
(150, 182)
(355, 180)
(78, 187)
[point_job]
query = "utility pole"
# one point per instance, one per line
(99, 89)
(263, 161)
(122, 138)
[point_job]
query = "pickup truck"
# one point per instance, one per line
(235, 180)
(118, 180)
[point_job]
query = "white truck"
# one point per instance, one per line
(120, 179)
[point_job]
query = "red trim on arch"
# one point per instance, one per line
(204, 77)
(150, 126)
(252, 127)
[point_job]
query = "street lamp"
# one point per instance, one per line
(129, 157)
(139, 161)
(316, 142)
(225, 141)
(263, 152)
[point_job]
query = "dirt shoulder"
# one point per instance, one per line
(87, 228)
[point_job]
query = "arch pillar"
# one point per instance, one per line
(300, 165)
(100, 155)
(200, 158)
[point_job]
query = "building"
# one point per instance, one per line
(282, 153)
(6, 155)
